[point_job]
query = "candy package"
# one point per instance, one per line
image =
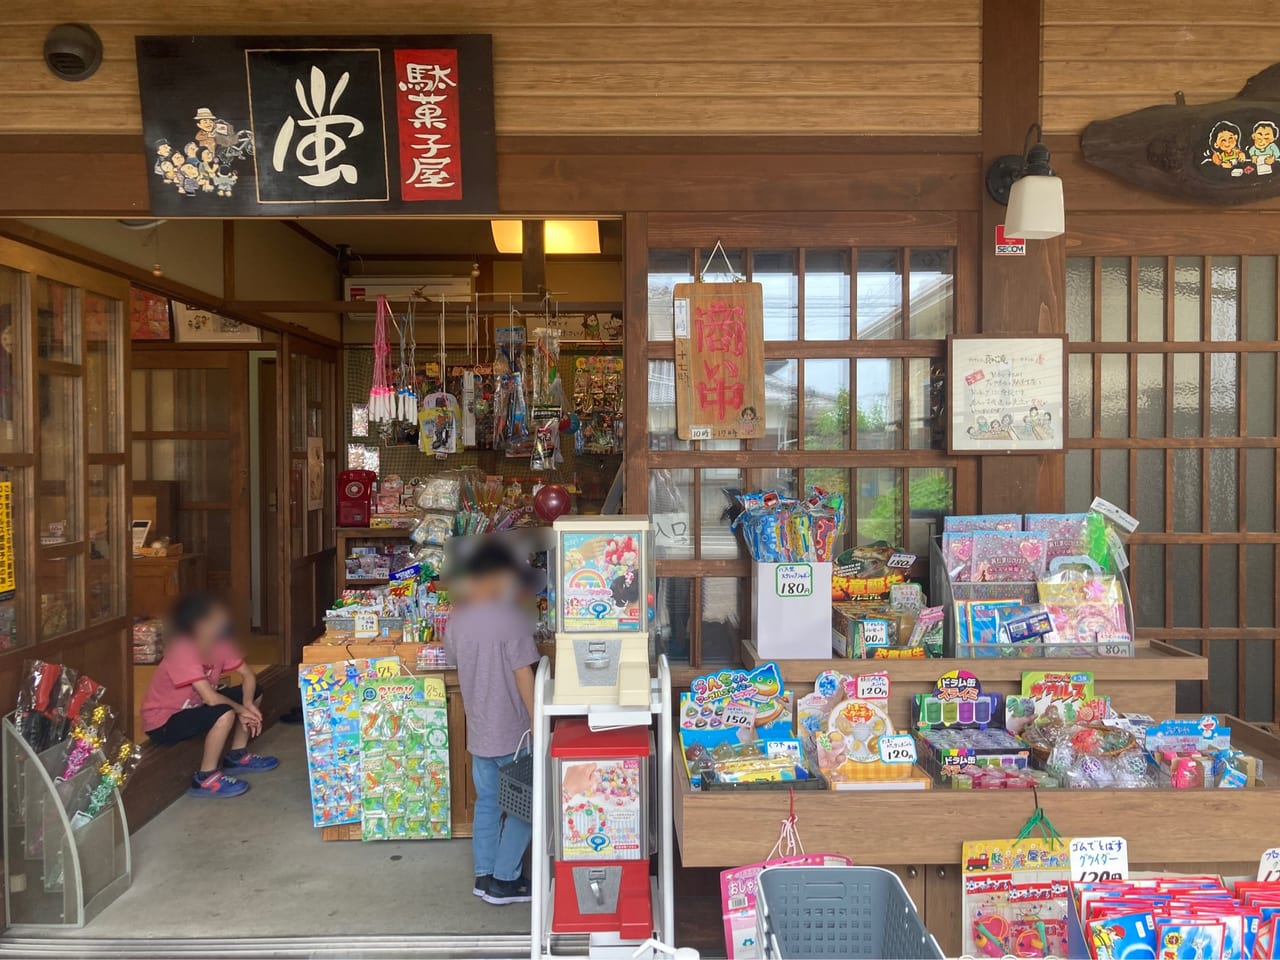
(88, 735)
(1001, 556)
(781, 530)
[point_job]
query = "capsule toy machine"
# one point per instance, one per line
(604, 610)
(603, 830)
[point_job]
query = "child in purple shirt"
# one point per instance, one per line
(490, 638)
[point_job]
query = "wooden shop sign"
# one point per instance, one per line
(719, 340)
(1223, 152)
(329, 126)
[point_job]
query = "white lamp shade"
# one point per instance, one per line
(559, 236)
(1035, 209)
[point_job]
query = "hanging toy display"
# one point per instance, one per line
(597, 403)
(407, 375)
(548, 400)
(438, 419)
(381, 406)
(510, 415)
(465, 378)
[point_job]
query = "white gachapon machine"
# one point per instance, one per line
(604, 610)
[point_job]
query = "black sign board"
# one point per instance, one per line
(329, 126)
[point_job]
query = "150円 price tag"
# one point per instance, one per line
(1099, 858)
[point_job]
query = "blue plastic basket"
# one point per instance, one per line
(846, 912)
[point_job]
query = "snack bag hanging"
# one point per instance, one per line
(438, 424)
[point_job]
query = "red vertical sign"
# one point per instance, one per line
(428, 126)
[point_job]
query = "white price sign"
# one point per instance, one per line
(872, 686)
(899, 748)
(1099, 858)
(699, 433)
(794, 580)
(1269, 866)
(739, 715)
(366, 625)
(1112, 644)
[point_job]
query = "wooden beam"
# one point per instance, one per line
(311, 238)
(228, 259)
(1019, 294)
(367, 306)
(533, 258)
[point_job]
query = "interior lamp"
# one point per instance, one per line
(558, 236)
(1028, 186)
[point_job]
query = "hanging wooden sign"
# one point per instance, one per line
(327, 126)
(719, 339)
(1223, 152)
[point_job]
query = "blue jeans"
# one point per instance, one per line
(498, 843)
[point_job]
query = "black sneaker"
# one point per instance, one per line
(481, 886)
(508, 891)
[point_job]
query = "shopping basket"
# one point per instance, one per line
(515, 783)
(846, 912)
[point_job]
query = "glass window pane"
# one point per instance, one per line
(1260, 489)
(1114, 477)
(721, 619)
(1260, 368)
(1186, 395)
(826, 294)
(1222, 676)
(59, 585)
(13, 632)
(785, 482)
(13, 306)
(670, 508)
(666, 269)
(926, 392)
(1080, 298)
(1260, 324)
(57, 329)
(1259, 597)
(102, 373)
(1259, 658)
(1186, 491)
(1187, 294)
(662, 407)
(201, 467)
(826, 404)
(1224, 395)
(879, 506)
(781, 391)
(1221, 600)
(58, 496)
(1115, 298)
(1223, 490)
(879, 406)
(673, 607)
(775, 271)
(139, 456)
(1150, 395)
(719, 486)
(1114, 415)
(1146, 579)
(1151, 298)
(1184, 565)
(210, 531)
(1080, 398)
(1150, 506)
(932, 305)
(879, 310)
(832, 480)
(106, 554)
(932, 495)
(1079, 473)
(1224, 311)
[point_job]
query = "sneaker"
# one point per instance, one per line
(217, 785)
(249, 763)
(508, 891)
(482, 884)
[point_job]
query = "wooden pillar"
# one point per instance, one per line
(1020, 295)
(533, 262)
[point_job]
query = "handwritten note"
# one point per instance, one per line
(1099, 858)
(719, 347)
(1007, 394)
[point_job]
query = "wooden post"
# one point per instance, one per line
(533, 262)
(1019, 294)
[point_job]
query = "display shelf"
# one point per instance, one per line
(344, 536)
(1143, 683)
(542, 941)
(371, 533)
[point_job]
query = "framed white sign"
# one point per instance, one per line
(1006, 394)
(194, 325)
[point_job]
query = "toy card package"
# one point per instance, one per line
(733, 706)
(1084, 608)
(869, 632)
(1006, 556)
(868, 574)
(738, 900)
(1016, 897)
(990, 521)
(404, 759)
(845, 721)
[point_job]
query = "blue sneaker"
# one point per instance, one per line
(216, 786)
(249, 763)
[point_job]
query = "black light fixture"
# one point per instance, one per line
(1031, 190)
(73, 51)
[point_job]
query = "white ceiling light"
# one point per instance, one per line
(1031, 190)
(559, 236)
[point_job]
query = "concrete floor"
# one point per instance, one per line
(254, 866)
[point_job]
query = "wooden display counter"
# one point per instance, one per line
(919, 835)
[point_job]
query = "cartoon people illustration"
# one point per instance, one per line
(747, 421)
(163, 152)
(1265, 151)
(223, 181)
(1225, 142)
(205, 124)
(190, 182)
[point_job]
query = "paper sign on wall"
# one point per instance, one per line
(719, 341)
(1099, 858)
(1006, 394)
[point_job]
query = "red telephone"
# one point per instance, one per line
(355, 490)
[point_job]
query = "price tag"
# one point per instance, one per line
(1113, 644)
(388, 668)
(875, 633)
(366, 624)
(794, 580)
(901, 561)
(899, 748)
(872, 686)
(1269, 866)
(739, 715)
(699, 433)
(1099, 858)
(680, 318)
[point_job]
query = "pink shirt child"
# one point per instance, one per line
(170, 689)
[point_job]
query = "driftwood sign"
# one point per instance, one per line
(1223, 152)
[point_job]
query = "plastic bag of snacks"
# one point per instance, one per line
(88, 735)
(43, 697)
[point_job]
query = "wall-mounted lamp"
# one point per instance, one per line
(1032, 192)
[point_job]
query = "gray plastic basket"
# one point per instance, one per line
(846, 912)
(515, 787)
